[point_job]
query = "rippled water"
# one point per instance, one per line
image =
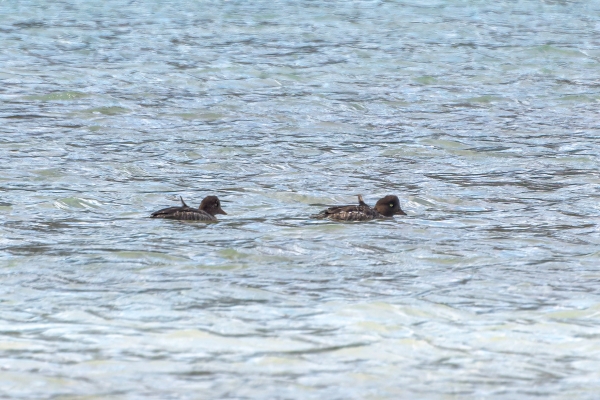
(481, 116)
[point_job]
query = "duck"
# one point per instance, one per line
(385, 208)
(206, 212)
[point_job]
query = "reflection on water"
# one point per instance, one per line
(482, 118)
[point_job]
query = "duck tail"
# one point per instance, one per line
(182, 202)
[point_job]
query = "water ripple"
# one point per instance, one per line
(482, 118)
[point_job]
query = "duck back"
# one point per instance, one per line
(349, 213)
(183, 213)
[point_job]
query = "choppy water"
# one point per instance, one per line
(481, 116)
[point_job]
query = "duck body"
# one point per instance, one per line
(385, 208)
(209, 207)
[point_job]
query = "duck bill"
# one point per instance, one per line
(220, 211)
(399, 212)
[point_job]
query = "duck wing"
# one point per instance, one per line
(349, 213)
(183, 213)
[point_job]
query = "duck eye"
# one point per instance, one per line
(391, 204)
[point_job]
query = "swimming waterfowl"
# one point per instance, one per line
(206, 212)
(386, 207)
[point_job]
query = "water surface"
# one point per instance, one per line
(481, 116)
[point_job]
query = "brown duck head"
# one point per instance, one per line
(211, 205)
(389, 206)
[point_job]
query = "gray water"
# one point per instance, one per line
(481, 116)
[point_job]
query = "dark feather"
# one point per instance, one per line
(385, 208)
(209, 206)
(349, 213)
(184, 213)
